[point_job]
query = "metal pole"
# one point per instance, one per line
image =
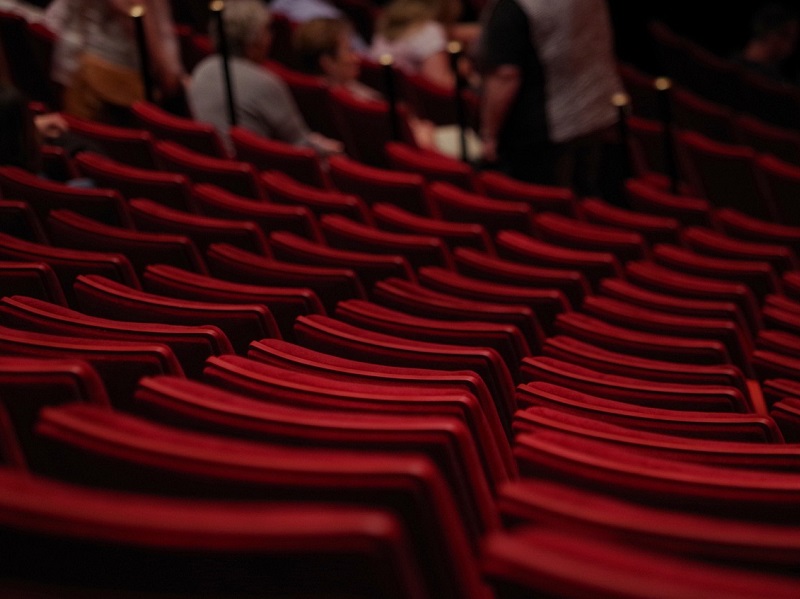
(216, 7)
(664, 87)
(454, 48)
(623, 103)
(137, 14)
(387, 62)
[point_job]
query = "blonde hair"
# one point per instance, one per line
(400, 15)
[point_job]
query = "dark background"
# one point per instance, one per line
(721, 27)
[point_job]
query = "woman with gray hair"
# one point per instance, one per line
(263, 103)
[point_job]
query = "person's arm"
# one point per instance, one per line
(162, 44)
(504, 46)
(437, 69)
(500, 87)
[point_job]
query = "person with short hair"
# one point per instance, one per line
(262, 101)
(323, 47)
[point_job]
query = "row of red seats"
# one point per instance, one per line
(465, 398)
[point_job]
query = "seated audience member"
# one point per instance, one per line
(415, 33)
(323, 47)
(96, 56)
(263, 102)
(24, 133)
(774, 35)
(301, 11)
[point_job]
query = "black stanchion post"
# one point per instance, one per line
(387, 63)
(454, 48)
(216, 7)
(663, 86)
(623, 103)
(137, 14)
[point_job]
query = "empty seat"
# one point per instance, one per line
(541, 198)
(30, 383)
(753, 456)
(739, 225)
(455, 204)
(333, 336)
(782, 183)
(786, 413)
(120, 364)
(672, 303)
(280, 188)
(371, 267)
(495, 448)
(331, 284)
(374, 184)
(737, 341)
(300, 163)
(647, 198)
(18, 219)
(416, 299)
(669, 280)
(714, 243)
(432, 165)
(130, 146)
(572, 350)
(570, 232)
(703, 398)
(242, 323)
(758, 275)
(482, 266)
(285, 303)
(536, 561)
(419, 250)
(723, 426)
(711, 490)
(33, 279)
(366, 125)
(191, 344)
(546, 302)
(651, 227)
(197, 136)
(104, 205)
(218, 203)
(237, 177)
(68, 264)
(202, 465)
(170, 189)
(507, 340)
(73, 537)
(627, 340)
(725, 174)
(391, 217)
(767, 138)
(71, 230)
(202, 230)
(444, 438)
(520, 247)
(735, 542)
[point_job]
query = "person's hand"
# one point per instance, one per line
(50, 125)
(489, 150)
(325, 145)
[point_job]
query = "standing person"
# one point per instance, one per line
(97, 57)
(263, 102)
(548, 72)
